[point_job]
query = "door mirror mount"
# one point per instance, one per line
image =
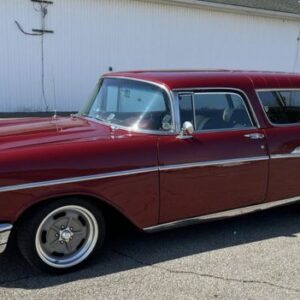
(186, 131)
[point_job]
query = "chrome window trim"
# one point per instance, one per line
(251, 129)
(222, 215)
(194, 113)
(170, 95)
(225, 129)
(177, 113)
(225, 89)
(87, 178)
(257, 91)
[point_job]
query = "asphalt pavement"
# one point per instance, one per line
(249, 257)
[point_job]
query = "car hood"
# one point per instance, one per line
(15, 133)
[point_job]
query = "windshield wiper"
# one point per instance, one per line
(94, 117)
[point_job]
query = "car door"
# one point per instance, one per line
(282, 110)
(223, 165)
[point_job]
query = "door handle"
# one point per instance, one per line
(255, 136)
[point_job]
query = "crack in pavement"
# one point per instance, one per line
(207, 275)
(145, 264)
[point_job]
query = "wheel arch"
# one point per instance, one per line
(110, 211)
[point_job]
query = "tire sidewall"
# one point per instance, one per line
(27, 231)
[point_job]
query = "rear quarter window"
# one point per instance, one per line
(281, 107)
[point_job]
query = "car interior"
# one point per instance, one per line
(225, 115)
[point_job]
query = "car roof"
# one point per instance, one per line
(235, 79)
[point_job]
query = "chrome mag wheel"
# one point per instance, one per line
(66, 236)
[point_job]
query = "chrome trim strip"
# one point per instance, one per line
(293, 154)
(285, 156)
(177, 112)
(5, 230)
(296, 151)
(226, 130)
(221, 215)
(217, 163)
(228, 89)
(27, 186)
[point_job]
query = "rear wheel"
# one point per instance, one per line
(61, 236)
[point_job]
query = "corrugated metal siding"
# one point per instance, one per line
(91, 35)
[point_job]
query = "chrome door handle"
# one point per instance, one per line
(255, 136)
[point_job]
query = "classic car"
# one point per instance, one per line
(159, 148)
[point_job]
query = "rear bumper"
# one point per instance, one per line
(5, 230)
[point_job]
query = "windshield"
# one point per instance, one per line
(130, 103)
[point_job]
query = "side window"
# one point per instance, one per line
(186, 108)
(281, 107)
(217, 111)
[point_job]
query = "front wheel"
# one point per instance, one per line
(62, 236)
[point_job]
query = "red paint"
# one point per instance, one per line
(48, 150)
(284, 178)
(42, 149)
(197, 191)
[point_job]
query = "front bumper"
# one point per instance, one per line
(5, 230)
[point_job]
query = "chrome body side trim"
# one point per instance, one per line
(217, 163)
(221, 215)
(285, 156)
(296, 151)
(5, 230)
(77, 179)
(293, 154)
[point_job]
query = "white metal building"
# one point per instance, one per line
(59, 69)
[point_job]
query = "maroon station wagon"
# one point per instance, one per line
(162, 149)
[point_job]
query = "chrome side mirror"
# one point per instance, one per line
(186, 131)
(188, 128)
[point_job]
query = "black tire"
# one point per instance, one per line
(30, 226)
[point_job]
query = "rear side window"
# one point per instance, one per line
(281, 107)
(216, 111)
